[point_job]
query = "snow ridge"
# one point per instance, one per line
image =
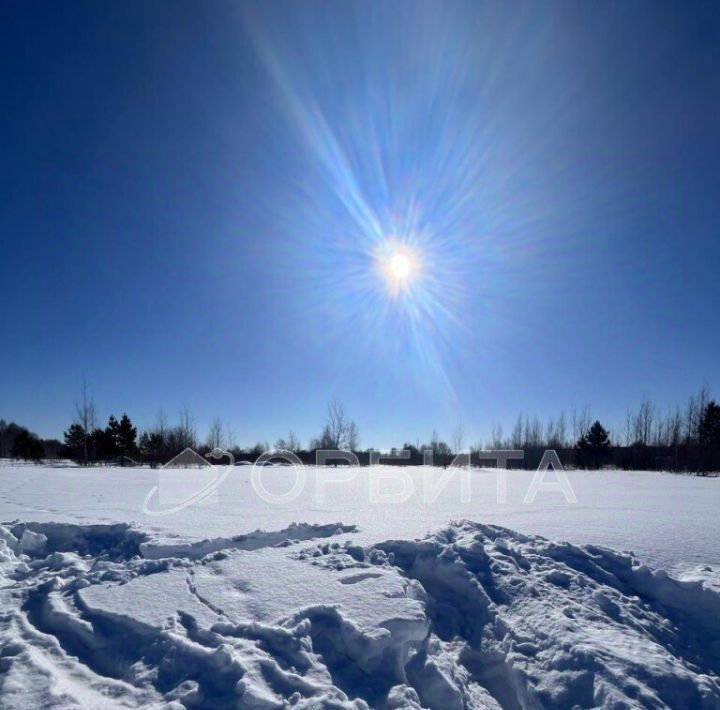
(155, 549)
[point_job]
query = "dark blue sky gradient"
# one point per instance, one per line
(189, 193)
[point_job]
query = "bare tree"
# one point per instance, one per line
(458, 438)
(292, 443)
(675, 428)
(339, 431)
(535, 433)
(629, 428)
(161, 425)
(434, 439)
(555, 432)
(215, 438)
(497, 436)
(344, 430)
(186, 433)
(516, 437)
(693, 413)
(85, 417)
(560, 430)
(575, 432)
(702, 401)
(584, 420)
(550, 435)
(337, 423)
(691, 419)
(229, 437)
(644, 422)
(353, 437)
(668, 428)
(324, 441)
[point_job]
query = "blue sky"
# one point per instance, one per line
(193, 197)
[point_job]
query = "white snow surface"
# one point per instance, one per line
(238, 602)
(669, 521)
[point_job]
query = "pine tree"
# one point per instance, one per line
(27, 446)
(151, 447)
(75, 441)
(21, 445)
(709, 429)
(35, 449)
(127, 438)
(594, 444)
(98, 444)
(112, 438)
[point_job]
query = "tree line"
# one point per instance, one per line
(681, 439)
(18, 442)
(686, 439)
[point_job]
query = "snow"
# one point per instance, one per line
(32, 543)
(666, 519)
(244, 603)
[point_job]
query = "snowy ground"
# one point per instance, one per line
(668, 521)
(368, 601)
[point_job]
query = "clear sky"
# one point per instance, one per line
(199, 201)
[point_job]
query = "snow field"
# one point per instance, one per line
(471, 616)
(232, 604)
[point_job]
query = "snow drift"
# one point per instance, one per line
(473, 616)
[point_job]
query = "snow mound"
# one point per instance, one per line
(473, 616)
(543, 624)
(117, 540)
(32, 543)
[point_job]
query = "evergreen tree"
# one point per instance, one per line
(594, 444)
(111, 443)
(35, 449)
(98, 445)
(709, 429)
(127, 438)
(28, 447)
(151, 447)
(75, 442)
(21, 444)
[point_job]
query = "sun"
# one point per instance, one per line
(399, 265)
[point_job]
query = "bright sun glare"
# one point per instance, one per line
(399, 265)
